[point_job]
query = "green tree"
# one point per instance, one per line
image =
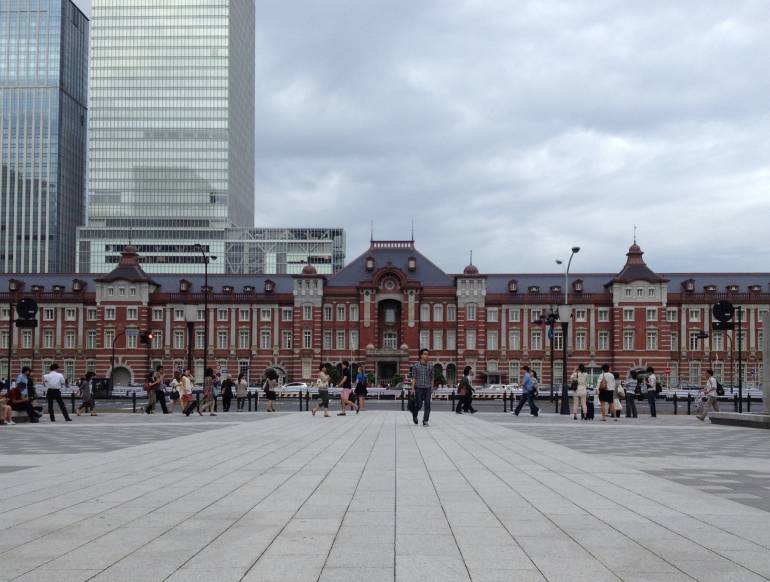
(335, 376)
(396, 380)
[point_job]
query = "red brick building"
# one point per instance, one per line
(378, 311)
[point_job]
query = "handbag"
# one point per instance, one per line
(411, 405)
(621, 391)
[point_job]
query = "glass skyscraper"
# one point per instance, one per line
(43, 100)
(171, 136)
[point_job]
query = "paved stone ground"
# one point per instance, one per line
(288, 497)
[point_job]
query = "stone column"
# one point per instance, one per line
(766, 362)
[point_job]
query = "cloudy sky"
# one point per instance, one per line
(520, 129)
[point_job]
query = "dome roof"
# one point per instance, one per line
(470, 270)
(309, 270)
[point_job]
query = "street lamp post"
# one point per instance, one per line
(564, 315)
(13, 288)
(206, 258)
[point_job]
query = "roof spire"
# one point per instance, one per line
(471, 252)
(413, 230)
(371, 235)
(634, 234)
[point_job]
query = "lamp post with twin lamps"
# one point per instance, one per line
(564, 314)
(206, 258)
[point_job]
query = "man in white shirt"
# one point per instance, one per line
(651, 389)
(710, 392)
(606, 386)
(53, 382)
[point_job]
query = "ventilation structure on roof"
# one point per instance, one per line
(534, 289)
(269, 286)
(513, 286)
(248, 289)
(577, 286)
(689, 285)
(732, 288)
(412, 264)
(227, 289)
(555, 289)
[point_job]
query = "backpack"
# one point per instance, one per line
(720, 389)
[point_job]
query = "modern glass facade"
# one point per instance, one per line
(171, 140)
(43, 100)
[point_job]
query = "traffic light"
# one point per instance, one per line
(26, 309)
(146, 338)
(723, 311)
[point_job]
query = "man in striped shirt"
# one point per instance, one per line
(422, 386)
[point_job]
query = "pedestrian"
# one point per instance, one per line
(175, 395)
(6, 412)
(322, 383)
(620, 392)
(156, 391)
(208, 393)
(26, 387)
(465, 393)
(53, 382)
(579, 381)
(709, 392)
(86, 395)
(227, 393)
(423, 383)
(650, 388)
(21, 403)
(529, 389)
(361, 388)
(271, 383)
(345, 384)
(186, 391)
(241, 391)
(606, 387)
(631, 388)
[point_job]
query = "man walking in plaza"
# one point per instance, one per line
(422, 386)
(650, 389)
(709, 391)
(53, 382)
(159, 394)
(606, 386)
(528, 394)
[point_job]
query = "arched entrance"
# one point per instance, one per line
(438, 374)
(451, 374)
(121, 376)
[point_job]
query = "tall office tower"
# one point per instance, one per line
(43, 100)
(171, 135)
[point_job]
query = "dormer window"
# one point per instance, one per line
(269, 286)
(755, 288)
(555, 289)
(37, 288)
(533, 289)
(689, 285)
(513, 286)
(207, 288)
(248, 289)
(577, 286)
(227, 289)
(184, 286)
(732, 288)
(58, 288)
(77, 285)
(412, 264)
(710, 288)
(370, 264)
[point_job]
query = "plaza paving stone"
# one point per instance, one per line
(289, 497)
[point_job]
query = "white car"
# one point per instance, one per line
(291, 385)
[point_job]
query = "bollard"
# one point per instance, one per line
(402, 400)
(299, 394)
(452, 399)
(307, 400)
(556, 398)
(198, 401)
(256, 399)
(689, 400)
(72, 396)
(505, 401)
(735, 402)
(676, 400)
(133, 400)
(748, 402)
(248, 398)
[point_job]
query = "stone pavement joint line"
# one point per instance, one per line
(370, 498)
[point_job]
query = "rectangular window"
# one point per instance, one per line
(514, 339)
(717, 341)
(694, 373)
(651, 292)
(49, 314)
(438, 339)
(493, 315)
(514, 367)
(109, 313)
(354, 313)
(157, 314)
(628, 340)
(695, 341)
(671, 314)
(201, 315)
(111, 291)
(69, 370)
(265, 314)
(179, 314)
(674, 341)
(354, 340)
(424, 312)
(200, 339)
(580, 340)
(222, 339)
(694, 315)
(265, 339)
(628, 314)
(243, 339)
(640, 292)
(5, 314)
(604, 315)
(604, 341)
(178, 339)
(221, 314)
(581, 315)
(91, 314)
(48, 339)
(328, 339)
(109, 337)
(719, 371)
(307, 369)
(451, 313)
(26, 338)
(651, 314)
(424, 339)
(451, 339)
(340, 313)
(628, 291)
(438, 312)
(652, 340)
(307, 339)
(91, 339)
(121, 291)
(132, 313)
(69, 339)
(131, 341)
(492, 340)
(244, 314)
(243, 368)
(514, 315)
(557, 374)
(286, 340)
(91, 366)
(287, 314)
(558, 340)
(307, 312)
(536, 340)
(535, 314)
(4, 342)
(157, 339)
(470, 339)
(70, 314)
(327, 312)
(470, 312)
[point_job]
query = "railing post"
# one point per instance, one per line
(402, 400)
(256, 399)
(307, 400)
(748, 402)
(689, 400)
(133, 400)
(676, 401)
(735, 402)
(248, 398)
(72, 397)
(556, 398)
(299, 394)
(198, 401)
(505, 401)
(452, 399)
